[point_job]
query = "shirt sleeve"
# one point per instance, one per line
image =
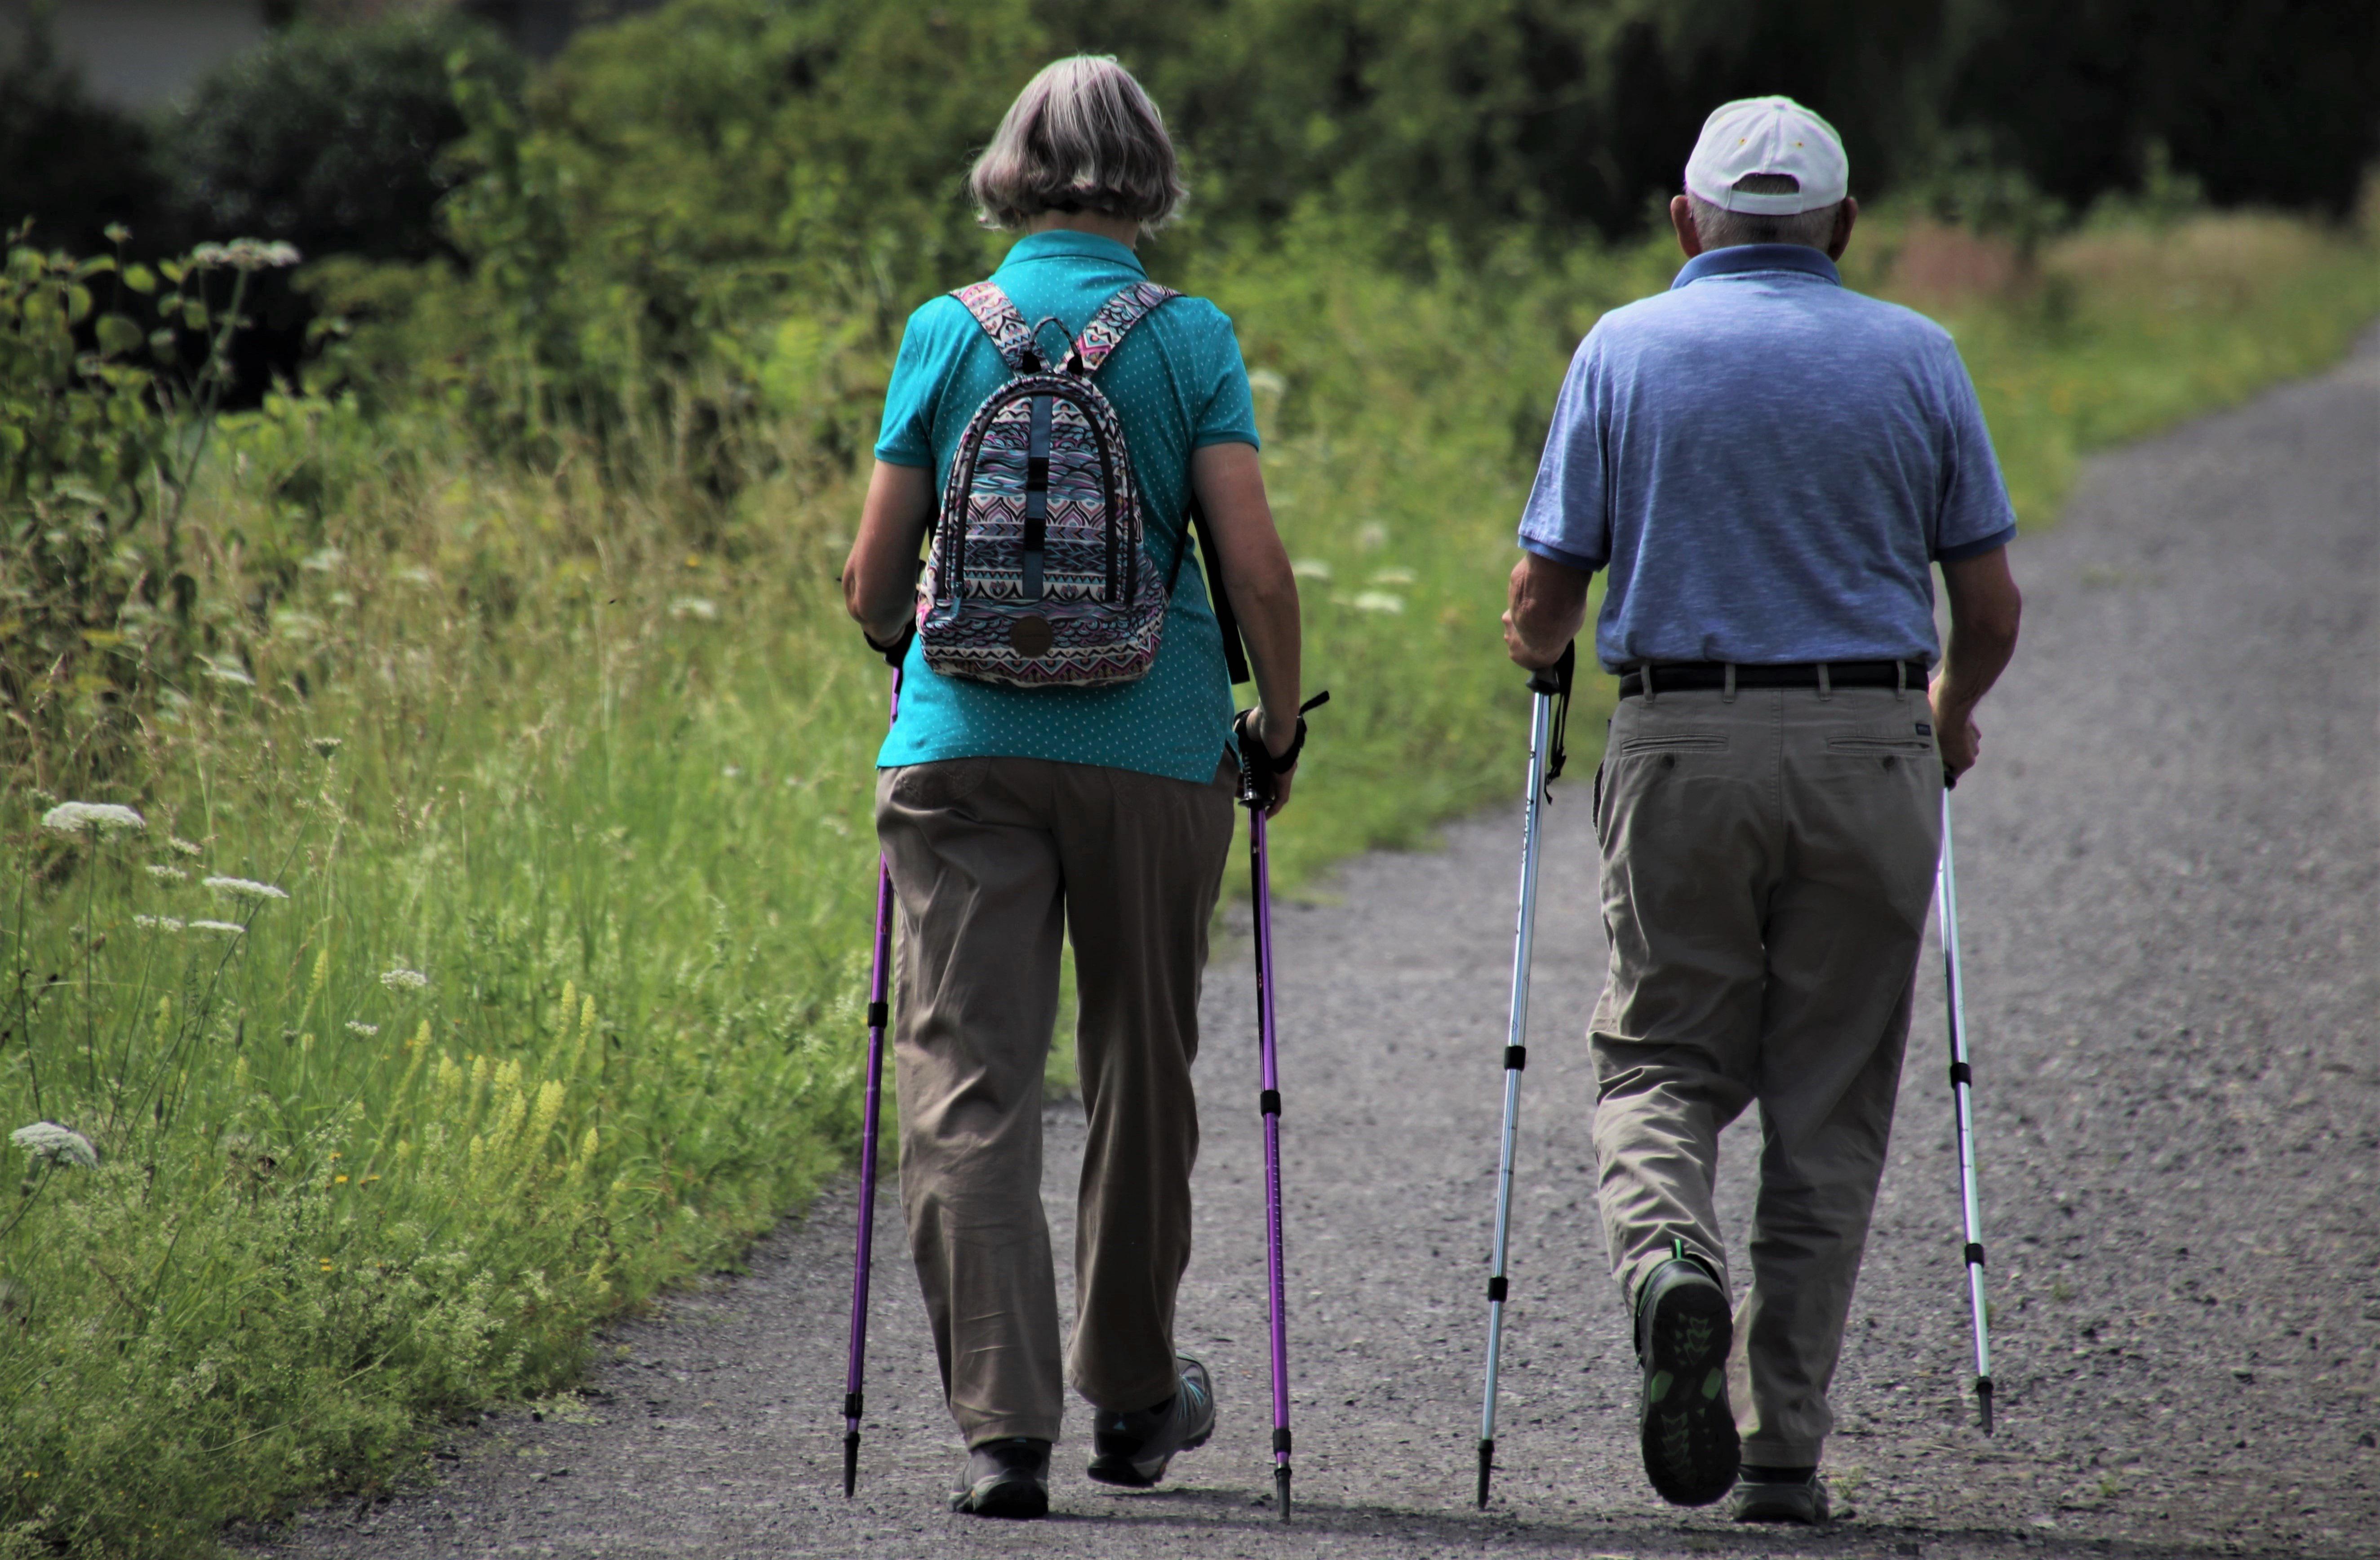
(905, 436)
(1974, 516)
(1229, 413)
(1565, 517)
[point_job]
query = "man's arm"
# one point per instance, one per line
(1984, 609)
(1547, 610)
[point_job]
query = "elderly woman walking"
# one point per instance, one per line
(1062, 767)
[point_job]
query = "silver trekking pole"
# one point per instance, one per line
(1549, 717)
(1946, 895)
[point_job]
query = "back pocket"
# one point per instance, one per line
(1675, 741)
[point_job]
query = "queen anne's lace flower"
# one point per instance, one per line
(158, 922)
(182, 846)
(230, 929)
(246, 254)
(245, 888)
(166, 874)
(59, 1145)
(403, 979)
(101, 817)
(358, 1026)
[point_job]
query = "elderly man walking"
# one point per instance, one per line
(1767, 466)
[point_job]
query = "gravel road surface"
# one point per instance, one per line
(2170, 868)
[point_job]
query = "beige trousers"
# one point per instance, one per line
(1767, 862)
(991, 859)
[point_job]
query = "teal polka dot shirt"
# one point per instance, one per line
(1178, 383)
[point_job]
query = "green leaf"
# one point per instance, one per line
(78, 304)
(98, 265)
(172, 270)
(117, 334)
(194, 314)
(139, 278)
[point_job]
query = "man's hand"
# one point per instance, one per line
(1547, 608)
(1955, 731)
(1276, 735)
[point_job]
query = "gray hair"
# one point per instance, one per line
(1082, 135)
(1719, 228)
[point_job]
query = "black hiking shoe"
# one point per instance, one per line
(1780, 1495)
(1133, 1449)
(1687, 1429)
(1005, 1478)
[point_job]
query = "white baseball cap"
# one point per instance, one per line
(1768, 136)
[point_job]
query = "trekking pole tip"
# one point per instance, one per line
(1281, 1487)
(1983, 1401)
(850, 1462)
(1486, 1466)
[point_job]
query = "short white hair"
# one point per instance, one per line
(1082, 135)
(1719, 228)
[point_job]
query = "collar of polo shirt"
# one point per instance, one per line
(1738, 260)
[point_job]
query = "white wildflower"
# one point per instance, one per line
(164, 873)
(1377, 601)
(732, 771)
(158, 922)
(414, 574)
(1371, 535)
(327, 747)
(181, 845)
(403, 979)
(223, 671)
(1265, 382)
(358, 1026)
(59, 1145)
(1392, 576)
(247, 254)
(696, 607)
(229, 928)
(101, 817)
(1310, 569)
(245, 888)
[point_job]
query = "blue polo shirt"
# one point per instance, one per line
(1177, 383)
(1766, 464)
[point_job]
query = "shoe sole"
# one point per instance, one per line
(1015, 1499)
(1688, 1436)
(1125, 1474)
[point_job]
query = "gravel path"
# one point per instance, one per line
(2171, 863)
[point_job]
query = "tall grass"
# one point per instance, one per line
(567, 783)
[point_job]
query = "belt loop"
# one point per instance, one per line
(1728, 694)
(1645, 675)
(1826, 683)
(1899, 681)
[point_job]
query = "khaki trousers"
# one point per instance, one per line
(990, 857)
(1767, 862)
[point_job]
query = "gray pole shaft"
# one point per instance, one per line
(1946, 887)
(1515, 1037)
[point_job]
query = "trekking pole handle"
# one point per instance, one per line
(1558, 678)
(1258, 768)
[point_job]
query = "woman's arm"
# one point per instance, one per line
(1256, 576)
(879, 581)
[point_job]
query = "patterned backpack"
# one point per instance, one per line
(1038, 577)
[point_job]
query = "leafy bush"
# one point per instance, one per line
(101, 434)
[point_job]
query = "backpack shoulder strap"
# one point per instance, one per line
(1113, 322)
(1002, 321)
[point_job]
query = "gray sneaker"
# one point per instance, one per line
(1132, 1449)
(1005, 1478)
(1780, 1495)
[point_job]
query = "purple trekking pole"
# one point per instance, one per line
(879, 976)
(1259, 770)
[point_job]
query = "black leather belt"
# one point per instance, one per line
(1674, 677)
